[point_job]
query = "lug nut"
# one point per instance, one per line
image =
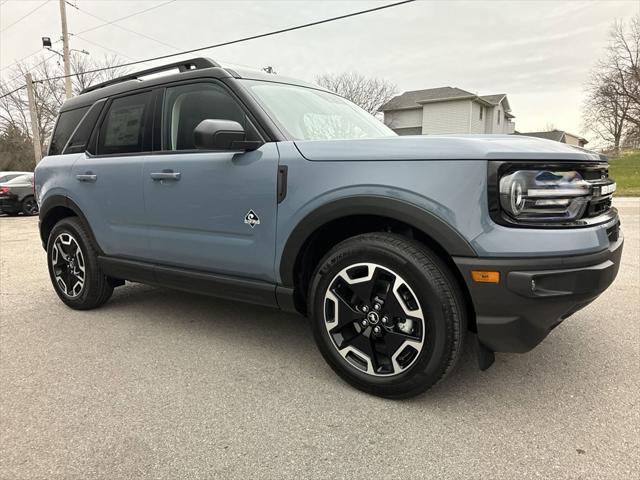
(376, 329)
(385, 320)
(377, 307)
(364, 323)
(365, 309)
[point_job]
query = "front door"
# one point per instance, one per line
(213, 211)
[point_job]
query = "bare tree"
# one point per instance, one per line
(623, 65)
(15, 121)
(368, 93)
(605, 110)
(612, 106)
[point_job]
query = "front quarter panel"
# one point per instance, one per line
(452, 191)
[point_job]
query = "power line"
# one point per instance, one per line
(114, 24)
(20, 60)
(245, 39)
(103, 47)
(24, 16)
(31, 69)
(125, 17)
(232, 42)
(110, 23)
(12, 91)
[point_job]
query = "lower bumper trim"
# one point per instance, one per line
(535, 295)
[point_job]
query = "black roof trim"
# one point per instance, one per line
(182, 66)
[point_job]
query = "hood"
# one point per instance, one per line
(443, 147)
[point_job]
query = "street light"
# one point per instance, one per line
(46, 43)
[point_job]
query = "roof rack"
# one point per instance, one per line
(182, 66)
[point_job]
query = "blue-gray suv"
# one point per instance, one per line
(265, 189)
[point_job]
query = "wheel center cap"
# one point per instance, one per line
(373, 318)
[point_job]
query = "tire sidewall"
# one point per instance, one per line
(23, 206)
(429, 366)
(70, 227)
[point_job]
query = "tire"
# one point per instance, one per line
(29, 206)
(67, 237)
(415, 338)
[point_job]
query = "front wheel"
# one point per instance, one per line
(387, 314)
(73, 266)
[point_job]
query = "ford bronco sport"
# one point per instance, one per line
(265, 189)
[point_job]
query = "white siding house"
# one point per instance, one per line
(447, 110)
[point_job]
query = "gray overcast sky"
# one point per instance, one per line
(537, 52)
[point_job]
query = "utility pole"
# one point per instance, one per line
(65, 49)
(35, 128)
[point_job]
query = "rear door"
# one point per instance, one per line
(108, 177)
(210, 210)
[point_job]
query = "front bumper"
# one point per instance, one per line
(535, 294)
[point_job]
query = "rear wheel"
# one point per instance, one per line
(73, 266)
(30, 206)
(387, 314)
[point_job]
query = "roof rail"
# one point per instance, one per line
(183, 66)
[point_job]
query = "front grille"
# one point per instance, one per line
(598, 176)
(598, 206)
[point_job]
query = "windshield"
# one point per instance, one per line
(309, 114)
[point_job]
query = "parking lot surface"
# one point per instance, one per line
(164, 384)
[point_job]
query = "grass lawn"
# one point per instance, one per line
(625, 170)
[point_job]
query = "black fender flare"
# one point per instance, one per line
(428, 223)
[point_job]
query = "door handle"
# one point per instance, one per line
(87, 177)
(157, 176)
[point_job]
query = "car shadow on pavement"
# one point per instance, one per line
(529, 377)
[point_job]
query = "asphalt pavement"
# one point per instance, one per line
(168, 385)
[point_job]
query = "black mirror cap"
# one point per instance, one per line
(216, 134)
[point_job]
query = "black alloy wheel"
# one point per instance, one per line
(387, 314)
(73, 266)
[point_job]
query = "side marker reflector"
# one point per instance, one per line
(480, 276)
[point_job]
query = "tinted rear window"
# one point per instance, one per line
(67, 123)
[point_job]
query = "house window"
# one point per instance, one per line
(481, 112)
(498, 117)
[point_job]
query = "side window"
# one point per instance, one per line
(10, 176)
(123, 128)
(80, 138)
(66, 124)
(185, 106)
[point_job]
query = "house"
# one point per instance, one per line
(559, 136)
(447, 110)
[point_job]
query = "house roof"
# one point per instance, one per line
(415, 98)
(557, 135)
(493, 99)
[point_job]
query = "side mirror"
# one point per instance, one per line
(221, 135)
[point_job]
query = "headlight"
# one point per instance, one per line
(548, 196)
